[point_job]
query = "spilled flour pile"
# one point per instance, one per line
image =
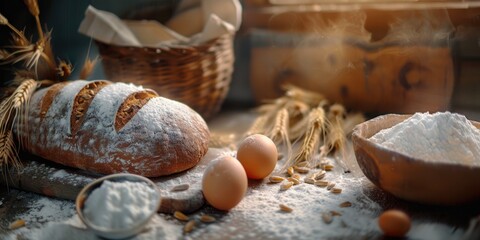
(440, 137)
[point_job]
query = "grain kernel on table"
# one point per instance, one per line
(330, 186)
(180, 187)
(328, 167)
(285, 208)
(319, 175)
(276, 179)
(293, 180)
(180, 216)
(301, 169)
(327, 218)
(16, 224)
(336, 190)
(321, 183)
(335, 213)
(207, 219)
(296, 176)
(309, 180)
(189, 226)
(286, 185)
(345, 204)
(290, 171)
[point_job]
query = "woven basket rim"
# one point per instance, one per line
(169, 47)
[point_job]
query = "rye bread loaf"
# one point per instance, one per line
(108, 128)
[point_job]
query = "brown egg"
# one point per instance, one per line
(258, 155)
(394, 223)
(224, 183)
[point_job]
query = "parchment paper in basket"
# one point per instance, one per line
(108, 28)
(214, 27)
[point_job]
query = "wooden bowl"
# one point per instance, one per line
(411, 178)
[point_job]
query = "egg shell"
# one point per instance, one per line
(394, 223)
(224, 183)
(258, 155)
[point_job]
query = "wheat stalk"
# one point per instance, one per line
(280, 126)
(3, 20)
(312, 137)
(335, 136)
(14, 113)
(21, 100)
(19, 34)
(8, 153)
(35, 11)
(279, 132)
(64, 69)
(88, 67)
(22, 94)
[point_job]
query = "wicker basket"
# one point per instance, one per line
(198, 76)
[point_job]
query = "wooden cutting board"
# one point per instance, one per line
(54, 180)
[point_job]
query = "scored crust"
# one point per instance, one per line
(160, 137)
(48, 98)
(131, 105)
(82, 102)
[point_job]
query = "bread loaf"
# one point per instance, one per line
(109, 127)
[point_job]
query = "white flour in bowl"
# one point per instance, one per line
(439, 137)
(120, 205)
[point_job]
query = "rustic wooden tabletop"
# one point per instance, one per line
(317, 213)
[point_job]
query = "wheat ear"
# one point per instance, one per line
(13, 114)
(8, 150)
(335, 136)
(21, 103)
(279, 131)
(311, 139)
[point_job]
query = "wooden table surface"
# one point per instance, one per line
(258, 215)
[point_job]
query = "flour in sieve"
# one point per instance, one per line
(439, 137)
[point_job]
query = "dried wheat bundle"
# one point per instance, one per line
(39, 68)
(306, 119)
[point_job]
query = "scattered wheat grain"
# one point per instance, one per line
(309, 180)
(189, 226)
(207, 218)
(328, 167)
(286, 185)
(290, 171)
(336, 190)
(180, 216)
(301, 169)
(319, 175)
(335, 213)
(16, 224)
(345, 204)
(330, 186)
(321, 183)
(293, 180)
(327, 218)
(276, 179)
(180, 187)
(285, 208)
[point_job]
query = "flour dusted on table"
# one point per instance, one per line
(120, 205)
(439, 137)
